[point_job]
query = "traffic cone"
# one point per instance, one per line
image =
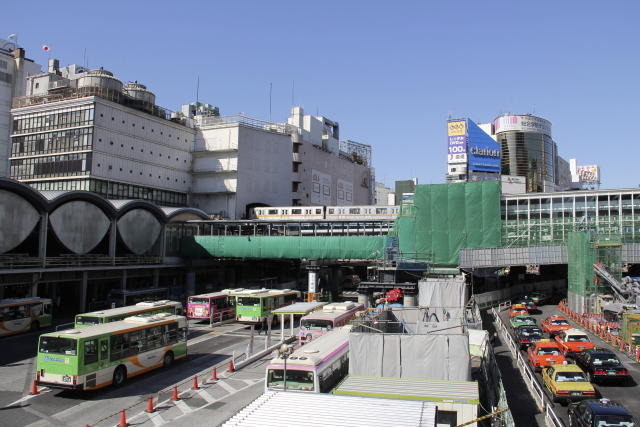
(195, 383)
(174, 394)
(149, 405)
(230, 368)
(34, 388)
(214, 375)
(123, 419)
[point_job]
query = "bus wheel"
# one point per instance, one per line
(119, 376)
(168, 359)
(35, 325)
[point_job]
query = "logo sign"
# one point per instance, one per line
(524, 123)
(457, 128)
(56, 359)
(589, 173)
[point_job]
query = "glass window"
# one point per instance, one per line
(90, 352)
(58, 345)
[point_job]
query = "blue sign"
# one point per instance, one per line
(483, 152)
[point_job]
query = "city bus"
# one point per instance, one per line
(114, 314)
(109, 353)
(314, 368)
(217, 306)
(331, 316)
(255, 305)
(24, 314)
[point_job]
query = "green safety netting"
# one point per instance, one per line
(581, 257)
(449, 217)
(288, 247)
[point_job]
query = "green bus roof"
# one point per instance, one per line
(264, 293)
(137, 308)
(132, 323)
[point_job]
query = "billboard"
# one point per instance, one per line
(590, 173)
(320, 188)
(457, 133)
(483, 152)
(522, 123)
(344, 195)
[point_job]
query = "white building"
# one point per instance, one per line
(84, 130)
(385, 196)
(240, 163)
(14, 68)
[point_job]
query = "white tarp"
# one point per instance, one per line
(442, 292)
(433, 356)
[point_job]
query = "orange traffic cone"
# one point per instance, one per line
(34, 388)
(174, 394)
(230, 368)
(123, 419)
(214, 375)
(149, 405)
(195, 383)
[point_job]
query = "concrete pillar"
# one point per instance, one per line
(363, 299)
(42, 239)
(291, 323)
(82, 303)
(156, 278)
(191, 282)
(113, 239)
(282, 327)
(34, 284)
(123, 286)
(409, 300)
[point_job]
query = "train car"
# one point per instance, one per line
(334, 213)
(289, 213)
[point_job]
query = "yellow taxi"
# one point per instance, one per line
(567, 383)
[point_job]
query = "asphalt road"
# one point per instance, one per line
(626, 395)
(60, 407)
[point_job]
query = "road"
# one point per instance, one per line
(625, 395)
(207, 347)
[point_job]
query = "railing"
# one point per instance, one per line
(535, 389)
(10, 262)
(215, 121)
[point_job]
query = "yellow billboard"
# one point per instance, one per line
(457, 128)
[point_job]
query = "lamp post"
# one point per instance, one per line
(285, 351)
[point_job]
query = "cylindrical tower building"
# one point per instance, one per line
(527, 149)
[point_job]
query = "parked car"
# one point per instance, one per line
(522, 320)
(567, 383)
(528, 303)
(538, 297)
(545, 353)
(598, 413)
(602, 365)
(527, 335)
(573, 341)
(518, 310)
(554, 324)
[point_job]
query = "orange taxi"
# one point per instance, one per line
(518, 309)
(544, 353)
(554, 325)
(573, 341)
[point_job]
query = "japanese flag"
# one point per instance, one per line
(46, 48)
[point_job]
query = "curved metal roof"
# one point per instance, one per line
(171, 212)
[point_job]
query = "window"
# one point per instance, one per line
(90, 352)
(354, 211)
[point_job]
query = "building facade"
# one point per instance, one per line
(14, 68)
(385, 196)
(84, 130)
(473, 154)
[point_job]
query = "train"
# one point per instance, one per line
(332, 213)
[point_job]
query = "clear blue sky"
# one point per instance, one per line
(389, 72)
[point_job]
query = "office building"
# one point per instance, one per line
(385, 196)
(473, 154)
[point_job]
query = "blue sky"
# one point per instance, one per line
(389, 72)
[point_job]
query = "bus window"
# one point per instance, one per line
(90, 352)
(87, 320)
(104, 349)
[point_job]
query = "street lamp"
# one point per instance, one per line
(285, 351)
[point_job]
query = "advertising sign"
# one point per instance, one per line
(524, 123)
(457, 133)
(456, 128)
(590, 173)
(483, 151)
(320, 188)
(344, 195)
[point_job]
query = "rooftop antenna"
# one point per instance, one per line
(293, 93)
(84, 57)
(197, 91)
(270, 90)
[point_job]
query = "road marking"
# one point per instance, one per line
(227, 387)
(251, 381)
(156, 419)
(206, 396)
(183, 406)
(27, 397)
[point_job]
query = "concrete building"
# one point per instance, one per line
(14, 68)
(385, 196)
(473, 153)
(84, 130)
(240, 163)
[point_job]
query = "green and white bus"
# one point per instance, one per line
(98, 356)
(255, 305)
(119, 313)
(24, 314)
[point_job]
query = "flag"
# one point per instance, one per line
(46, 48)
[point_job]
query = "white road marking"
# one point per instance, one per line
(183, 406)
(206, 396)
(28, 396)
(156, 419)
(227, 387)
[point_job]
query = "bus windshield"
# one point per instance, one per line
(56, 345)
(87, 320)
(199, 300)
(317, 324)
(248, 301)
(296, 380)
